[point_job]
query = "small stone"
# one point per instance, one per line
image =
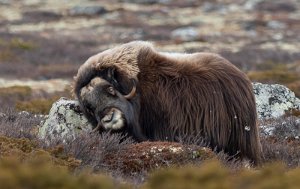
(145, 1)
(185, 34)
(87, 11)
(274, 24)
(211, 7)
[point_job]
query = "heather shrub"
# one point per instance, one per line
(92, 148)
(18, 124)
(283, 144)
(285, 151)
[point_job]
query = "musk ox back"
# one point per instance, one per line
(198, 94)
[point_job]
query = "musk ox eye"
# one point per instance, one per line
(111, 90)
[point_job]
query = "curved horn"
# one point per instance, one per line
(132, 93)
(97, 128)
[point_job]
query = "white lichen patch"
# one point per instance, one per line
(160, 149)
(176, 149)
(153, 149)
(272, 101)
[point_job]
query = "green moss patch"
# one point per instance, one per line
(25, 150)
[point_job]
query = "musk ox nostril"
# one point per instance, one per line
(113, 120)
(108, 117)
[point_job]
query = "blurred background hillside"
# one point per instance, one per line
(43, 42)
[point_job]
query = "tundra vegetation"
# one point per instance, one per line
(95, 160)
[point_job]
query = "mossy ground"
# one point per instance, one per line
(213, 175)
(25, 150)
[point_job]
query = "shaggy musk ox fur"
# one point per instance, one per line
(200, 94)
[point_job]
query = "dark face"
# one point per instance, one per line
(106, 106)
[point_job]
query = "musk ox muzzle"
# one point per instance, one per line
(106, 105)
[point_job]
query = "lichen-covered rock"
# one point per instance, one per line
(273, 101)
(65, 121)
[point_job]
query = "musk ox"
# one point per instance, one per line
(154, 95)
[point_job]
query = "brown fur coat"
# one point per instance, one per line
(186, 94)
